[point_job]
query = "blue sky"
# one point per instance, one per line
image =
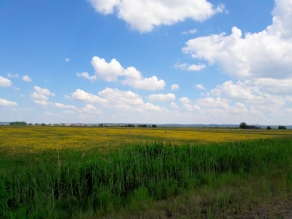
(146, 61)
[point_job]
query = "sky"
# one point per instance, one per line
(146, 61)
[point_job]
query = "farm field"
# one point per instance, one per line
(90, 172)
(23, 140)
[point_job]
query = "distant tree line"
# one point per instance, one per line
(243, 125)
(18, 123)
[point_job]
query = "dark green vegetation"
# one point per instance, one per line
(18, 123)
(79, 183)
(282, 127)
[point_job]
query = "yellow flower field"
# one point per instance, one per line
(19, 140)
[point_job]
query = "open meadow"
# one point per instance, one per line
(22, 140)
(106, 172)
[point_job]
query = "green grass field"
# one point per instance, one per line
(74, 184)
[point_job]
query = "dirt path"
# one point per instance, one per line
(281, 210)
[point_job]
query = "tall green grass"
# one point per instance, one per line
(46, 189)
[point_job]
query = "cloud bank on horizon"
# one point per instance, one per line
(219, 78)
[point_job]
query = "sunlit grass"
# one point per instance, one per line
(23, 140)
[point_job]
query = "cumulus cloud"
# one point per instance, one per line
(256, 112)
(143, 15)
(275, 86)
(196, 67)
(83, 96)
(189, 67)
(246, 91)
(86, 75)
(37, 96)
(117, 96)
(214, 102)
(67, 60)
(26, 78)
(43, 91)
(5, 82)
(7, 103)
(266, 54)
(186, 103)
(161, 97)
(174, 87)
(43, 103)
(91, 109)
(12, 76)
(49, 113)
(200, 86)
(60, 105)
(174, 105)
(112, 70)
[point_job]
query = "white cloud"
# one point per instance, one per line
(190, 31)
(60, 105)
(120, 97)
(146, 84)
(91, 109)
(181, 66)
(107, 71)
(12, 76)
(81, 95)
(257, 112)
(190, 67)
(48, 113)
(275, 86)
(196, 67)
(43, 91)
(21, 95)
(26, 78)
(7, 103)
(161, 97)
(5, 82)
(43, 103)
(67, 96)
(37, 96)
(266, 54)
(184, 100)
(186, 103)
(174, 105)
(246, 91)
(86, 75)
(68, 112)
(196, 107)
(143, 15)
(151, 107)
(16, 88)
(110, 71)
(174, 87)
(214, 102)
(200, 86)
(67, 60)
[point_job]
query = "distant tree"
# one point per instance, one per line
(30, 124)
(268, 128)
(282, 127)
(18, 123)
(154, 126)
(43, 124)
(243, 125)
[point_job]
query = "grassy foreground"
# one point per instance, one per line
(80, 185)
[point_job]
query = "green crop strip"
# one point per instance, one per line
(46, 189)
